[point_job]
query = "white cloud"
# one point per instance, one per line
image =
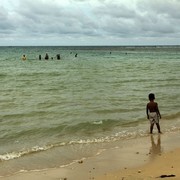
(95, 22)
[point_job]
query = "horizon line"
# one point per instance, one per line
(87, 45)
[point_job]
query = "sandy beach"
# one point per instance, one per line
(142, 158)
(165, 166)
(84, 117)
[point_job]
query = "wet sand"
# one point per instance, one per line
(141, 158)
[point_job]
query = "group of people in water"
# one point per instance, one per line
(46, 57)
(58, 57)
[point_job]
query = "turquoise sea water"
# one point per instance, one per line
(53, 112)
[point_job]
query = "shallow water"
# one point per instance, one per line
(57, 111)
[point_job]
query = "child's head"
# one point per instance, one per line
(151, 96)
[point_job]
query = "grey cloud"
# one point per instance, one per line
(159, 18)
(6, 26)
(167, 8)
(53, 19)
(85, 19)
(3, 13)
(115, 19)
(145, 18)
(114, 11)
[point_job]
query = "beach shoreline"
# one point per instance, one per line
(141, 158)
(80, 118)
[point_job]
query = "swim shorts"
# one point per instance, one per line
(153, 117)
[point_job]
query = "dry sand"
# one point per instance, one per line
(141, 158)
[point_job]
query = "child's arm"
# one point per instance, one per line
(147, 111)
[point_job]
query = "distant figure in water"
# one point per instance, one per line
(23, 57)
(153, 113)
(76, 55)
(39, 57)
(58, 56)
(46, 56)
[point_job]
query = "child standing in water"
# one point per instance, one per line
(153, 113)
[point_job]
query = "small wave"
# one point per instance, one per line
(37, 149)
(14, 155)
(98, 122)
(172, 116)
(120, 134)
(3, 74)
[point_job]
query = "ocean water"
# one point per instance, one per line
(53, 112)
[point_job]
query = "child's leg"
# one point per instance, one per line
(158, 127)
(151, 128)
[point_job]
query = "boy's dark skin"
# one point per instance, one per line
(153, 107)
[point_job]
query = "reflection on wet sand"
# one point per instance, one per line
(156, 148)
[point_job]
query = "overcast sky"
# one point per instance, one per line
(89, 22)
